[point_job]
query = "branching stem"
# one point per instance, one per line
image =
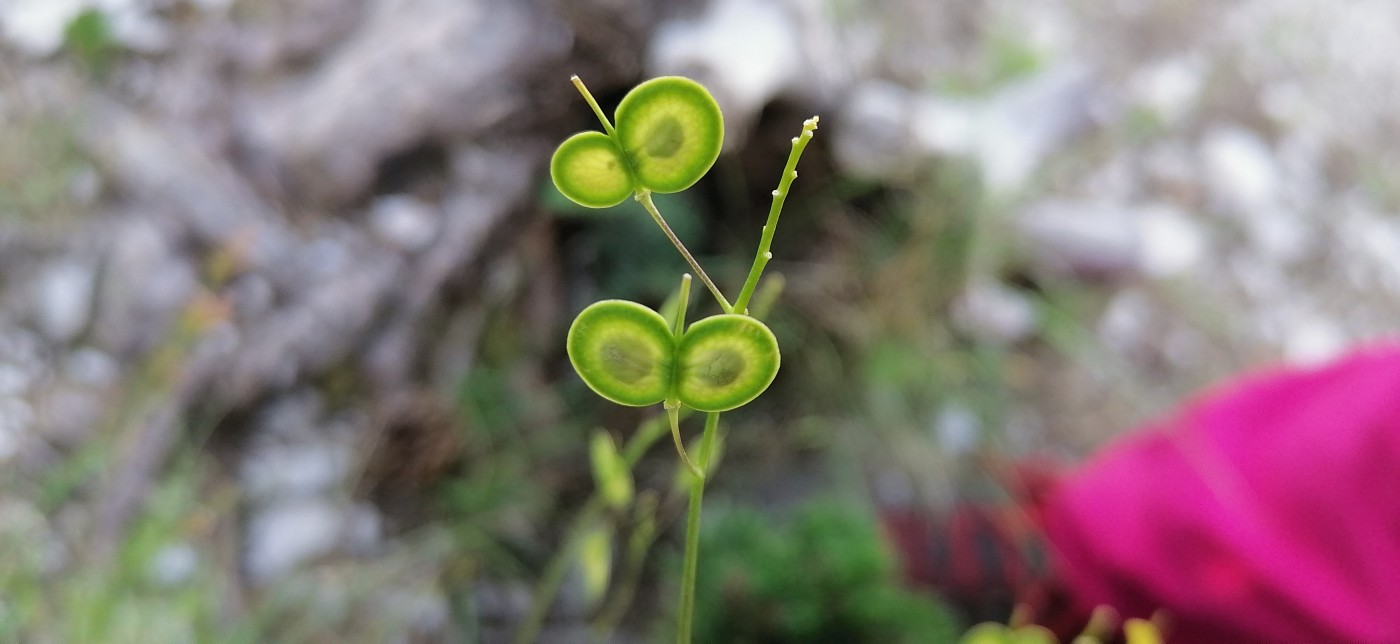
(644, 198)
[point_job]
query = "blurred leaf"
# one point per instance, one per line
(610, 471)
(89, 37)
(595, 561)
(825, 576)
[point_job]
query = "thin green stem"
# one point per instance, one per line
(765, 244)
(673, 412)
(692, 533)
(644, 198)
(593, 509)
(588, 96)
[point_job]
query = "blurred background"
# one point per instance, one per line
(284, 287)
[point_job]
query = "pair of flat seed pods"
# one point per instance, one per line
(668, 133)
(628, 354)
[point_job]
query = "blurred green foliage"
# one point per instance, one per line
(823, 576)
(89, 37)
(39, 164)
(628, 258)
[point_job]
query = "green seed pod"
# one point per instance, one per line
(589, 169)
(672, 130)
(725, 361)
(623, 351)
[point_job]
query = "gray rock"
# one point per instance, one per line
(1023, 124)
(745, 52)
(273, 470)
(91, 367)
(468, 59)
(1173, 242)
(285, 534)
(957, 429)
(423, 612)
(69, 413)
(405, 222)
(364, 530)
(1084, 239)
(1240, 168)
(145, 285)
(63, 296)
(16, 422)
(174, 564)
(887, 130)
(877, 136)
(995, 313)
(14, 380)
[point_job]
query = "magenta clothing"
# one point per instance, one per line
(1267, 511)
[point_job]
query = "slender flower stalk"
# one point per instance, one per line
(644, 198)
(765, 243)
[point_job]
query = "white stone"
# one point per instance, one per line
(1123, 323)
(745, 51)
(14, 380)
(174, 564)
(1240, 168)
(274, 469)
(404, 221)
(364, 529)
(36, 27)
(92, 367)
(1024, 123)
(993, 312)
(886, 133)
(1170, 88)
(1083, 238)
(1313, 340)
(1173, 242)
(64, 293)
(16, 420)
(285, 534)
(958, 429)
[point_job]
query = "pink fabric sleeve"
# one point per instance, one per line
(1268, 511)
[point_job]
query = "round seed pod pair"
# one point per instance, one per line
(668, 134)
(627, 353)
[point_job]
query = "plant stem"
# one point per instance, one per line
(692, 533)
(588, 96)
(673, 410)
(644, 198)
(760, 260)
(558, 567)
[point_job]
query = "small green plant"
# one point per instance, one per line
(823, 575)
(668, 134)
